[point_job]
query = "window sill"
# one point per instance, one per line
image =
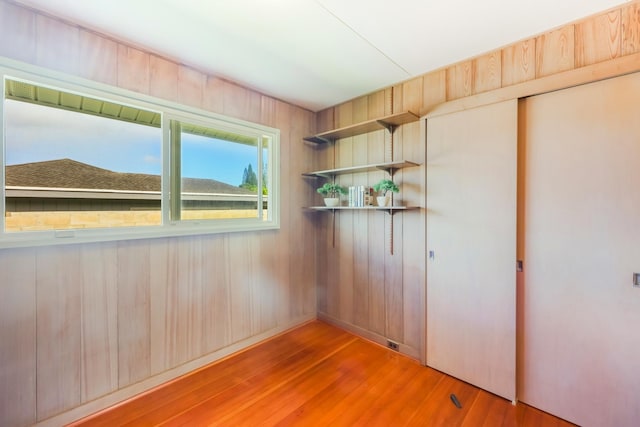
(64, 237)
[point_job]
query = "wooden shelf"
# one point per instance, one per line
(389, 209)
(388, 122)
(390, 168)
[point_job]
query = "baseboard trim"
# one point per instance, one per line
(414, 353)
(133, 391)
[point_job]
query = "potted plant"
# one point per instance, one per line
(331, 193)
(384, 188)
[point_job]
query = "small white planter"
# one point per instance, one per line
(382, 200)
(332, 202)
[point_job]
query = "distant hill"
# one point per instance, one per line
(67, 173)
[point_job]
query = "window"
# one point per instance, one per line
(224, 174)
(91, 162)
(75, 162)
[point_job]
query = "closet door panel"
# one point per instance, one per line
(471, 245)
(581, 345)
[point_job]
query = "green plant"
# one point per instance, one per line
(331, 190)
(386, 185)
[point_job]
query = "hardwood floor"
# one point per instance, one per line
(318, 375)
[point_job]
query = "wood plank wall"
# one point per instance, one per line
(83, 326)
(129, 312)
(390, 288)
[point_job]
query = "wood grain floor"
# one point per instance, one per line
(318, 375)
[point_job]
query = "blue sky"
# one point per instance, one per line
(35, 133)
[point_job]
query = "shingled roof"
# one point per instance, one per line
(67, 173)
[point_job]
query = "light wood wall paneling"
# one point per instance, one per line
(383, 311)
(292, 165)
(555, 51)
(434, 90)
(412, 95)
(518, 62)
(288, 167)
(325, 260)
(378, 105)
(18, 337)
(397, 98)
(191, 85)
(163, 78)
(393, 280)
(360, 110)
(20, 23)
(602, 70)
(58, 335)
(282, 298)
(325, 120)
(393, 230)
(133, 69)
(361, 269)
(241, 102)
(240, 277)
(268, 112)
(460, 80)
(57, 45)
(395, 104)
(134, 301)
(393, 226)
(99, 58)
(261, 291)
(175, 302)
(327, 257)
(487, 72)
(324, 153)
(99, 322)
(360, 225)
(213, 99)
(216, 293)
(413, 250)
(269, 299)
(302, 267)
(376, 253)
(598, 39)
(162, 282)
(275, 294)
(631, 28)
(344, 222)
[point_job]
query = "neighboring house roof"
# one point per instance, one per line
(67, 173)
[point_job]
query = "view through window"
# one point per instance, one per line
(67, 169)
(75, 162)
(221, 173)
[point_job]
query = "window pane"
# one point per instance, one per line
(76, 166)
(266, 180)
(220, 174)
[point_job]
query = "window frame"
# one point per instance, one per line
(176, 157)
(169, 111)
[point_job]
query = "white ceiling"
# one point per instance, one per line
(318, 53)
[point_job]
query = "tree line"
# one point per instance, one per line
(250, 179)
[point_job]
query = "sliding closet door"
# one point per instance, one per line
(581, 313)
(471, 245)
